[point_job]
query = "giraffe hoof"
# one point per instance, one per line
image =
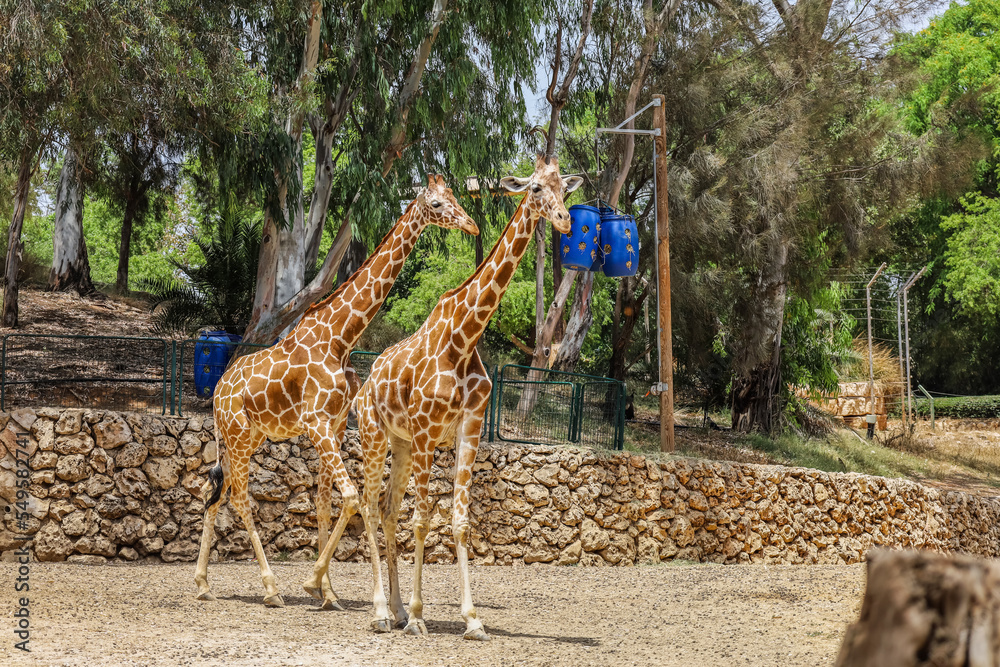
(329, 605)
(477, 634)
(205, 596)
(381, 625)
(401, 623)
(416, 628)
(274, 601)
(314, 591)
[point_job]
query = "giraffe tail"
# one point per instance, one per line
(215, 476)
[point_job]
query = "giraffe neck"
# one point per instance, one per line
(349, 310)
(475, 301)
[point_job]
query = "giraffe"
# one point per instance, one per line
(304, 384)
(433, 387)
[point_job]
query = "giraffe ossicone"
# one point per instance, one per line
(432, 387)
(305, 384)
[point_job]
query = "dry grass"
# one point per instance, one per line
(885, 365)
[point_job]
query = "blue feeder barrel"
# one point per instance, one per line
(580, 246)
(620, 244)
(211, 355)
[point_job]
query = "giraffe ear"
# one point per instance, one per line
(571, 183)
(514, 183)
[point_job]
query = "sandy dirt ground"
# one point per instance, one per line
(686, 614)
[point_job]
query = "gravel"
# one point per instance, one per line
(678, 614)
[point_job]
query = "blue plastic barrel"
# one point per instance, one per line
(211, 356)
(580, 246)
(620, 245)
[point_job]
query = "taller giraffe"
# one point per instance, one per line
(305, 384)
(432, 387)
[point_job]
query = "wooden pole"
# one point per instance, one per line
(663, 278)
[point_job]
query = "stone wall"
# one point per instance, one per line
(112, 486)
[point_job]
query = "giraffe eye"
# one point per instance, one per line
(436, 204)
(536, 188)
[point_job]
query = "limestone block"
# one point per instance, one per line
(51, 544)
(132, 455)
(69, 422)
(593, 537)
(113, 432)
(179, 550)
(162, 473)
(72, 468)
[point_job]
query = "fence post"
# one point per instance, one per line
(620, 420)
(930, 399)
(173, 375)
(3, 375)
(180, 383)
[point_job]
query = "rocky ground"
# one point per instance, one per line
(682, 614)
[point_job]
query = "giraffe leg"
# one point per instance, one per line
(374, 445)
(208, 528)
(423, 457)
(321, 432)
(241, 503)
(468, 444)
(324, 491)
(399, 476)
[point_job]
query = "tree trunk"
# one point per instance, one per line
(557, 277)
(628, 316)
(539, 283)
(70, 267)
(757, 394)
(581, 317)
(357, 253)
(15, 248)
(323, 134)
(540, 356)
(125, 244)
(922, 609)
(292, 252)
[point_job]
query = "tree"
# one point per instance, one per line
(218, 290)
(399, 91)
(70, 68)
(70, 265)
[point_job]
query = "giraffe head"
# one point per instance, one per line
(438, 206)
(545, 191)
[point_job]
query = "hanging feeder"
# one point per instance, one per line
(580, 248)
(619, 244)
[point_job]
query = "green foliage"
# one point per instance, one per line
(961, 407)
(156, 247)
(816, 338)
(431, 274)
(218, 291)
(973, 256)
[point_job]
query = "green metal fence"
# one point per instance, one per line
(155, 375)
(541, 406)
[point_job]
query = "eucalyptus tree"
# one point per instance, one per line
(389, 91)
(71, 70)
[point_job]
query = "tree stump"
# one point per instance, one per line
(924, 609)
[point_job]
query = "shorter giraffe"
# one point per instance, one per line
(305, 383)
(432, 388)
